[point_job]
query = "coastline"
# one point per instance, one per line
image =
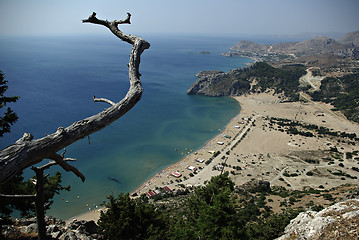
(164, 177)
(252, 149)
(153, 182)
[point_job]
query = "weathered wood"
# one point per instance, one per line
(26, 152)
(40, 203)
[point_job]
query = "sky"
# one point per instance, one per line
(235, 17)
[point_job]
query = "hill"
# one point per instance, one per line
(350, 39)
(344, 47)
(255, 78)
(323, 68)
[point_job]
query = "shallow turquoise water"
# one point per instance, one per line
(56, 79)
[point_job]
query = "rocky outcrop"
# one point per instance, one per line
(217, 83)
(339, 221)
(56, 229)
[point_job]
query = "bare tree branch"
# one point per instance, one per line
(18, 196)
(67, 167)
(103, 100)
(27, 152)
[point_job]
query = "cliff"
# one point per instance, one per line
(216, 83)
(339, 221)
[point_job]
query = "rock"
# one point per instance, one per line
(32, 228)
(339, 221)
(52, 228)
(218, 83)
(51, 220)
(74, 224)
(208, 73)
(56, 235)
(26, 221)
(89, 227)
(76, 235)
(57, 229)
(71, 235)
(8, 230)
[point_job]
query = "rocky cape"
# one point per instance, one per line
(328, 56)
(218, 83)
(257, 77)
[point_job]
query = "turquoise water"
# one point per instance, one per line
(57, 77)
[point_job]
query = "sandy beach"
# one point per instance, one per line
(251, 148)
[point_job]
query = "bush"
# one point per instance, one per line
(309, 173)
(317, 208)
(128, 218)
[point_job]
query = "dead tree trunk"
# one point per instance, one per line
(39, 197)
(26, 151)
(39, 204)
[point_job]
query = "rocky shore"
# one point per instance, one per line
(218, 83)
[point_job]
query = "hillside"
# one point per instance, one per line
(344, 47)
(255, 78)
(350, 39)
(323, 68)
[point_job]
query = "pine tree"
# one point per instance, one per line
(8, 118)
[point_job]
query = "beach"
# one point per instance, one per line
(251, 148)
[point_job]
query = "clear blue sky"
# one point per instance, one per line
(283, 17)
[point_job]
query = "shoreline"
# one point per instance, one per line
(252, 149)
(146, 186)
(189, 160)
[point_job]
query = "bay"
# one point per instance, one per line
(56, 78)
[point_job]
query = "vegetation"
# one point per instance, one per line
(131, 219)
(237, 82)
(311, 130)
(25, 206)
(342, 92)
(285, 79)
(8, 117)
(214, 211)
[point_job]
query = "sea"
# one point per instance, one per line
(56, 78)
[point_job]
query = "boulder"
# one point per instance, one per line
(339, 221)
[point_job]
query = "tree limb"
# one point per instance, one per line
(95, 99)
(28, 152)
(67, 167)
(32, 197)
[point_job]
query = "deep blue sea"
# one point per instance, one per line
(56, 78)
